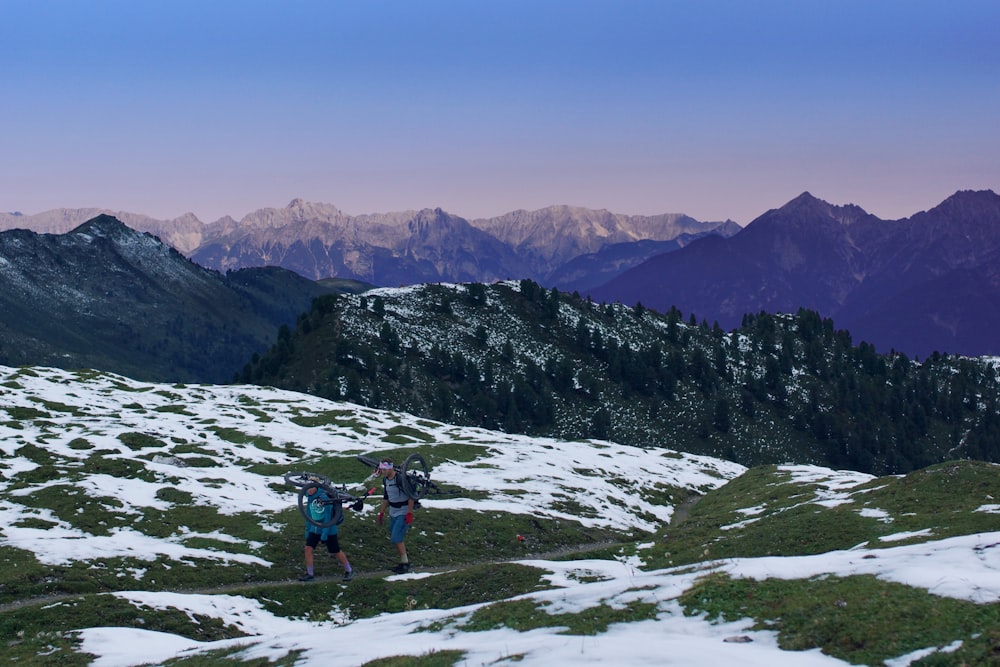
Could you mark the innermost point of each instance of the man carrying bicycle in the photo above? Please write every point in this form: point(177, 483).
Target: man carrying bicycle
point(321, 511)
point(400, 506)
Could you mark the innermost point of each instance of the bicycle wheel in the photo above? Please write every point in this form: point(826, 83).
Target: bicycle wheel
point(324, 506)
point(368, 461)
point(416, 476)
point(300, 479)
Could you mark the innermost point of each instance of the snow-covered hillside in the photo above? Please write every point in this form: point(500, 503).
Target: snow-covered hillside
point(193, 433)
point(123, 449)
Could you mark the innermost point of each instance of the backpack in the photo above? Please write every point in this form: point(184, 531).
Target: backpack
point(399, 485)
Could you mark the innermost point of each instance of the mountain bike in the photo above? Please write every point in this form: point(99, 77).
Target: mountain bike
point(332, 496)
point(415, 480)
point(415, 476)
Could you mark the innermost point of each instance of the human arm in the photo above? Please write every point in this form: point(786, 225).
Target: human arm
point(409, 511)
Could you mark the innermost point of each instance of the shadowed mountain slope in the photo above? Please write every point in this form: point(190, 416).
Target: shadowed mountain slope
point(924, 283)
point(105, 296)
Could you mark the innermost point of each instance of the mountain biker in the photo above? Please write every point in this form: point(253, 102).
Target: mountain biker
point(400, 507)
point(323, 512)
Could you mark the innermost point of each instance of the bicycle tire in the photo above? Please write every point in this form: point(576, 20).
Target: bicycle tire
point(336, 516)
point(300, 479)
point(416, 483)
point(368, 461)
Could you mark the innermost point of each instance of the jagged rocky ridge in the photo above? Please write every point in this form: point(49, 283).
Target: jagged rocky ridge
point(319, 241)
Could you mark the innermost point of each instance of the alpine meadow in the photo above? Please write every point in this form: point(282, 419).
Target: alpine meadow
point(149, 524)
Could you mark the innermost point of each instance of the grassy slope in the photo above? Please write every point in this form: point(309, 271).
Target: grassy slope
point(766, 511)
point(860, 619)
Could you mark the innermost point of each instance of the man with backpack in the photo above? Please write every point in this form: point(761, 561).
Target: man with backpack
point(400, 507)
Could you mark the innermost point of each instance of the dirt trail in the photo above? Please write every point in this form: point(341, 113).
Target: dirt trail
point(333, 578)
point(681, 512)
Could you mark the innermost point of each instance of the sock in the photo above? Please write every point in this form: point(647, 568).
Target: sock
point(404, 559)
point(309, 570)
point(347, 566)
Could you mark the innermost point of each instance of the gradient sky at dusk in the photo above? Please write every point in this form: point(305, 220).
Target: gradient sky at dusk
point(718, 109)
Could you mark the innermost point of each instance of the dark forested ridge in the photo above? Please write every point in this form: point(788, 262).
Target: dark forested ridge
point(520, 358)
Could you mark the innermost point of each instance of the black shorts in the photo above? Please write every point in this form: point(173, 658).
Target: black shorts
point(332, 543)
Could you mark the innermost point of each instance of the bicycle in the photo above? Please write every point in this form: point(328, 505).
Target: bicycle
point(415, 480)
point(332, 496)
point(415, 476)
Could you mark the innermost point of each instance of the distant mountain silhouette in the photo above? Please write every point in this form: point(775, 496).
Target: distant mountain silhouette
point(587, 271)
point(921, 284)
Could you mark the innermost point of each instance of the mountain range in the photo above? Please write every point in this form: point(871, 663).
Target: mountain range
point(404, 248)
point(511, 355)
point(916, 285)
point(930, 282)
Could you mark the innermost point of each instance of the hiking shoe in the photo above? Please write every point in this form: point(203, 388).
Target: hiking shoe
point(306, 577)
point(348, 576)
point(402, 568)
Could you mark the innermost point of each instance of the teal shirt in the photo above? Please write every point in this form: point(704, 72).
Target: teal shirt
point(322, 513)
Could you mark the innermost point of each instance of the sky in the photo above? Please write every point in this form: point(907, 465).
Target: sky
point(714, 108)
point(542, 470)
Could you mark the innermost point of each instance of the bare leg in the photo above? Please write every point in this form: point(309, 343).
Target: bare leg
point(309, 560)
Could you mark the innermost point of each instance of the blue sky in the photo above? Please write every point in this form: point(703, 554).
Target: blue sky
point(718, 109)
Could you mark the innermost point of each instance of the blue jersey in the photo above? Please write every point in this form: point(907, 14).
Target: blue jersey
point(319, 511)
